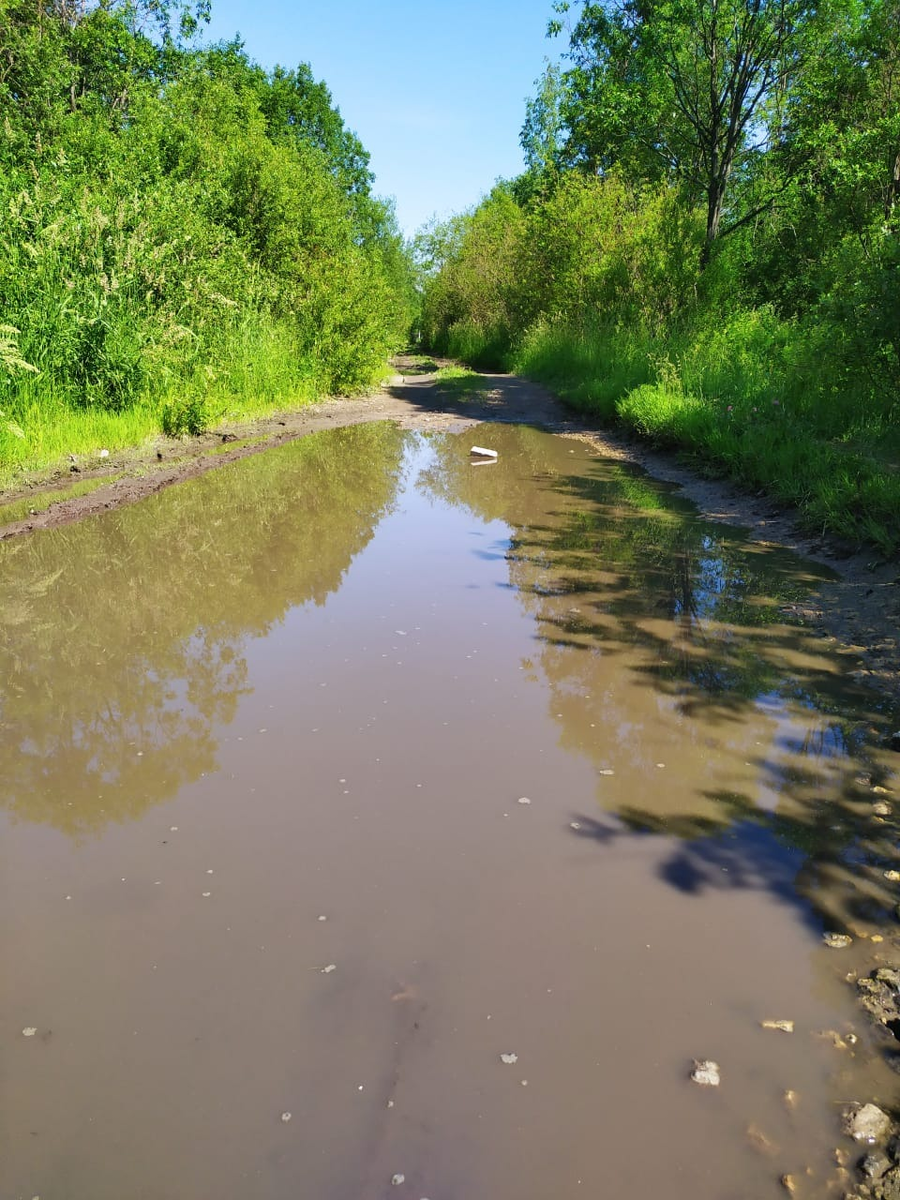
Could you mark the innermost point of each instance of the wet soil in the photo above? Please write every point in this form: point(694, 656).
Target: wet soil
point(451, 812)
point(859, 606)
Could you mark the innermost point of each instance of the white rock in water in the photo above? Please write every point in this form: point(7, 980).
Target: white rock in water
point(866, 1123)
point(836, 941)
point(706, 1072)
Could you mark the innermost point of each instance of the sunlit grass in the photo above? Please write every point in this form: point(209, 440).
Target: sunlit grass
point(744, 400)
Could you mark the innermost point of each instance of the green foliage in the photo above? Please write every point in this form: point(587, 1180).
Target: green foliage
point(190, 416)
point(178, 223)
point(771, 354)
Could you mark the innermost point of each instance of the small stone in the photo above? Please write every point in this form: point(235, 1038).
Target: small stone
point(836, 941)
point(29, 1031)
point(888, 1187)
point(706, 1072)
point(866, 1123)
point(759, 1141)
point(873, 1166)
point(285, 1116)
point(396, 1180)
point(509, 1059)
point(784, 1026)
point(791, 1099)
point(789, 1183)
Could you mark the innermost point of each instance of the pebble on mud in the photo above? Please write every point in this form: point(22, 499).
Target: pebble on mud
point(873, 1166)
point(836, 941)
point(706, 1072)
point(865, 1123)
point(783, 1026)
point(789, 1184)
point(759, 1141)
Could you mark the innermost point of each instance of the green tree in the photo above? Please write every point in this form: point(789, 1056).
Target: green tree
point(680, 88)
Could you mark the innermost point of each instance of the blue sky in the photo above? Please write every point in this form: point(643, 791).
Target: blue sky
point(436, 91)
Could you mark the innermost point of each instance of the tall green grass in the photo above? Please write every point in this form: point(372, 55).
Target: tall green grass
point(745, 401)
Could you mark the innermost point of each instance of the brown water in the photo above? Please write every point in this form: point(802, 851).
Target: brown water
point(316, 684)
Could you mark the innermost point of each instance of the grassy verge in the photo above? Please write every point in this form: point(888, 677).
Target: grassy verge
point(749, 399)
point(42, 428)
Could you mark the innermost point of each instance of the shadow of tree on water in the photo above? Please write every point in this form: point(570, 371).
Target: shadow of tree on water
point(647, 617)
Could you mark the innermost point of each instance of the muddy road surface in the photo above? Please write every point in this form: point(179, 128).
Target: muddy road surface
point(378, 822)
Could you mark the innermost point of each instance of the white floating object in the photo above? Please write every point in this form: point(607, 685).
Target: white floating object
point(396, 1180)
point(524, 800)
point(483, 452)
point(706, 1072)
point(327, 970)
point(285, 1116)
point(509, 1059)
point(29, 1031)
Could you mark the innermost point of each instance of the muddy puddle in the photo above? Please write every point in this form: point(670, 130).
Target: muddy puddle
point(370, 814)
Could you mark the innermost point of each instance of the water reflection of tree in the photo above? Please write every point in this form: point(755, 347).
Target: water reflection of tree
point(627, 588)
point(127, 634)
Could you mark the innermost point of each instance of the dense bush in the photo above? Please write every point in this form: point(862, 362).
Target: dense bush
point(182, 230)
point(762, 334)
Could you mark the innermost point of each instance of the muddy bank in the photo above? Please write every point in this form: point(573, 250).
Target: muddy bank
point(859, 608)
